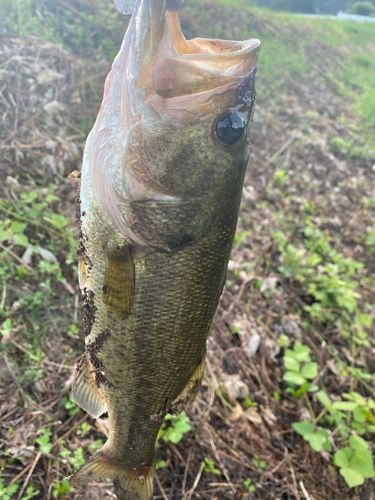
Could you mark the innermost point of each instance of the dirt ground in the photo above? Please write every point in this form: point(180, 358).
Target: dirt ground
point(41, 141)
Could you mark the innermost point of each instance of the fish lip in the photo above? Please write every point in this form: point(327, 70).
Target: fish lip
point(157, 34)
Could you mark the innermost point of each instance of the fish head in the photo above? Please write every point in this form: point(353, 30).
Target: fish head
point(175, 118)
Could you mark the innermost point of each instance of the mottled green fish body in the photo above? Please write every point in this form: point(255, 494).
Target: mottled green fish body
point(161, 186)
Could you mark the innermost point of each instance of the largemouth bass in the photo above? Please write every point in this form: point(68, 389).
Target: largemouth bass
point(161, 186)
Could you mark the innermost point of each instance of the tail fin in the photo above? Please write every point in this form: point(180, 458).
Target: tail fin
point(130, 484)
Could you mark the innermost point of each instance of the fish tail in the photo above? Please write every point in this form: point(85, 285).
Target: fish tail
point(130, 484)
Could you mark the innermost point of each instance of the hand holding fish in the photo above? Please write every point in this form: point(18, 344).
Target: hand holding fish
point(161, 186)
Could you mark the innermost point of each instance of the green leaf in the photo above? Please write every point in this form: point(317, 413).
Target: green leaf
point(341, 459)
point(20, 239)
point(175, 437)
point(294, 378)
point(301, 353)
point(312, 388)
point(364, 319)
point(5, 235)
point(359, 415)
point(310, 371)
point(361, 429)
point(316, 440)
point(352, 477)
point(363, 463)
point(344, 405)
point(349, 452)
point(326, 445)
point(56, 220)
point(303, 428)
point(354, 396)
point(18, 227)
point(160, 465)
point(291, 364)
point(324, 399)
point(358, 443)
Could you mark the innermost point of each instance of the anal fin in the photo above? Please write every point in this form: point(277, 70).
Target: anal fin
point(85, 392)
point(191, 389)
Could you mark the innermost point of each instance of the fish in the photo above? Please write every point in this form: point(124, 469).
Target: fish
point(161, 184)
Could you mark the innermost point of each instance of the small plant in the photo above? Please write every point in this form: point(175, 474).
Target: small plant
point(300, 369)
point(44, 440)
point(355, 462)
point(95, 445)
point(239, 238)
point(318, 438)
point(209, 466)
point(370, 240)
point(248, 402)
point(83, 429)
point(180, 425)
point(160, 465)
point(280, 177)
point(70, 405)
point(78, 460)
point(249, 485)
point(61, 489)
point(30, 493)
point(259, 463)
point(7, 492)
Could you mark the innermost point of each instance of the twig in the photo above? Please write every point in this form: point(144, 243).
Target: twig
point(161, 487)
point(223, 468)
point(3, 294)
point(186, 471)
point(70, 430)
point(304, 491)
point(29, 475)
point(15, 256)
point(279, 151)
point(189, 494)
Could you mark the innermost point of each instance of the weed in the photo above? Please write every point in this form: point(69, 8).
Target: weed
point(61, 489)
point(259, 463)
point(7, 492)
point(209, 466)
point(356, 414)
point(160, 464)
point(249, 485)
point(179, 426)
point(300, 369)
point(44, 441)
point(71, 407)
point(95, 445)
point(78, 459)
point(355, 461)
point(30, 493)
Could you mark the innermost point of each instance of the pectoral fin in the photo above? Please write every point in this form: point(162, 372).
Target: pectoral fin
point(84, 391)
point(118, 289)
point(191, 389)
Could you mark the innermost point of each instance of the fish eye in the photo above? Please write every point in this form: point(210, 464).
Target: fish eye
point(176, 5)
point(230, 128)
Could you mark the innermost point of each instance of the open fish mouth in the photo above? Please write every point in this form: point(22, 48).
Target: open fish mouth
point(160, 83)
point(183, 67)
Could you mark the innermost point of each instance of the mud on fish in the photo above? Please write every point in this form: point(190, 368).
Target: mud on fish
point(161, 186)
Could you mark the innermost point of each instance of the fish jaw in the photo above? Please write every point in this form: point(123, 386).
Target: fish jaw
point(163, 81)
